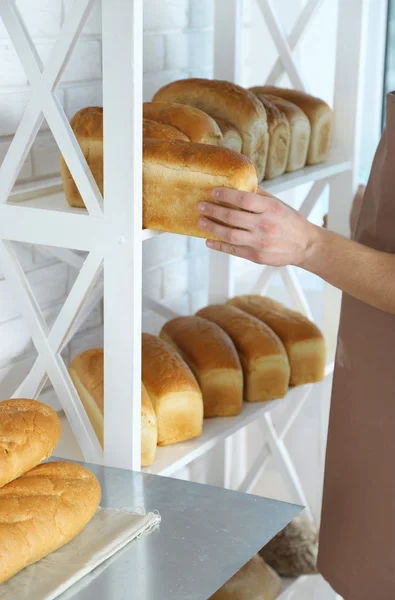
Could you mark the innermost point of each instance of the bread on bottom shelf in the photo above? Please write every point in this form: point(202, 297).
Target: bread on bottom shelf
point(161, 131)
point(230, 102)
point(173, 390)
point(262, 355)
point(255, 581)
point(320, 116)
point(42, 511)
point(300, 132)
point(232, 138)
point(197, 125)
point(87, 373)
point(29, 432)
point(178, 175)
point(279, 139)
point(213, 358)
point(302, 339)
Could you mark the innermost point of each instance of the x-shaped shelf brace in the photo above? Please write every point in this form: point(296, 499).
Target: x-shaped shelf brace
point(44, 103)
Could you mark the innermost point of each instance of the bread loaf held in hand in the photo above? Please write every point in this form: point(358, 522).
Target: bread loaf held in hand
point(173, 390)
point(213, 358)
point(262, 355)
point(43, 510)
point(29, 432)
point(230, 102)
point(303, 341)
point(87, 373)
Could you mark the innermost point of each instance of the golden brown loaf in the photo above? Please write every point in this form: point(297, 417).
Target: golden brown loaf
point(279, 139)
point(263, 357)
point(213, 358)
point(87, 373)
point(300, 132)
point(302, 339)
point(178, 175)
point(320, 116)
point(196, 124)
point(42, 511)
point(255, 581)
point(173, 390)
point(232, 138)
point(230, 102)
point(160, 131)
point(29, 432)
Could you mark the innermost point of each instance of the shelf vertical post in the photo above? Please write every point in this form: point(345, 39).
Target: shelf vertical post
point(122, 101)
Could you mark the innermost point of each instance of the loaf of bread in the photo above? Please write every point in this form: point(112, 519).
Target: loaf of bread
point(29, 432)
point(263, 357)
point(300, 132)
point(279, 139)
point(255, 581)
point(178, 175)
point(42, 511)
point(230, 102)
point(173, 390)
point(232, 138)
point(212, 357)
point(160, 131)
point(320, 116)
point(198, 126)
point(302, 339)
point(87, 373)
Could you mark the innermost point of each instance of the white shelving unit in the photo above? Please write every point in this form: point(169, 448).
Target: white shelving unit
point(111, 232)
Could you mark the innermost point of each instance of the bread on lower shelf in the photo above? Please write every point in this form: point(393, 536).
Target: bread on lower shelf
point(173, 390)
point(213, 358)
point(279, 139)
point(178, 175)
point(302, 339)
point(87, 373)
point(255, 581)
point(161, 131)
point(42, 511)
point(300, 131)
point(263, 357)
point(230, 102)
point(198, 126)
point(232, 138)
point(29, 432)
point(320, 116)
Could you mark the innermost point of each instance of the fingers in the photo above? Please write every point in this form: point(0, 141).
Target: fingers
point(229, 216)
point(244, 200)
point(240, 251)
point(237, 237)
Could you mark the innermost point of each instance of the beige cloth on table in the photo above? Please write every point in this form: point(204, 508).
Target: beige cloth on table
point(357, 544)
point(106, 534)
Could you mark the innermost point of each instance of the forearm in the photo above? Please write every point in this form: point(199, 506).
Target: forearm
point(365, 274)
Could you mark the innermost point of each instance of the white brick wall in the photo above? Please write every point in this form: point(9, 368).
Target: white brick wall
point(177, 43)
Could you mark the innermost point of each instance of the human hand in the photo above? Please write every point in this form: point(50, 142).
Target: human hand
point(259, 227)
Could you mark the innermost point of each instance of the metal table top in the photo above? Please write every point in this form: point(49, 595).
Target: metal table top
point(206, 535)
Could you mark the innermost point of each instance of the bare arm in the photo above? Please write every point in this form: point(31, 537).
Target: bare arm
point(262, 229)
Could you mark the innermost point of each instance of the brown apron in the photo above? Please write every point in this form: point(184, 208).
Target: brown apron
point(357, 542)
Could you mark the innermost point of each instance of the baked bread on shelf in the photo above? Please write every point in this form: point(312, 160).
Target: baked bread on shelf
point(230, 102)
point(232, 138)
point(213, 358)
point(279, 139)
point(304, 342)
point(87, 373)
point(29, 432)
point(178, 175)
point(161, 131)
point(43, 510)
point(320, 116)
point(255, 581)
point(173, 390)
point(262, 354)
point(198, 126)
